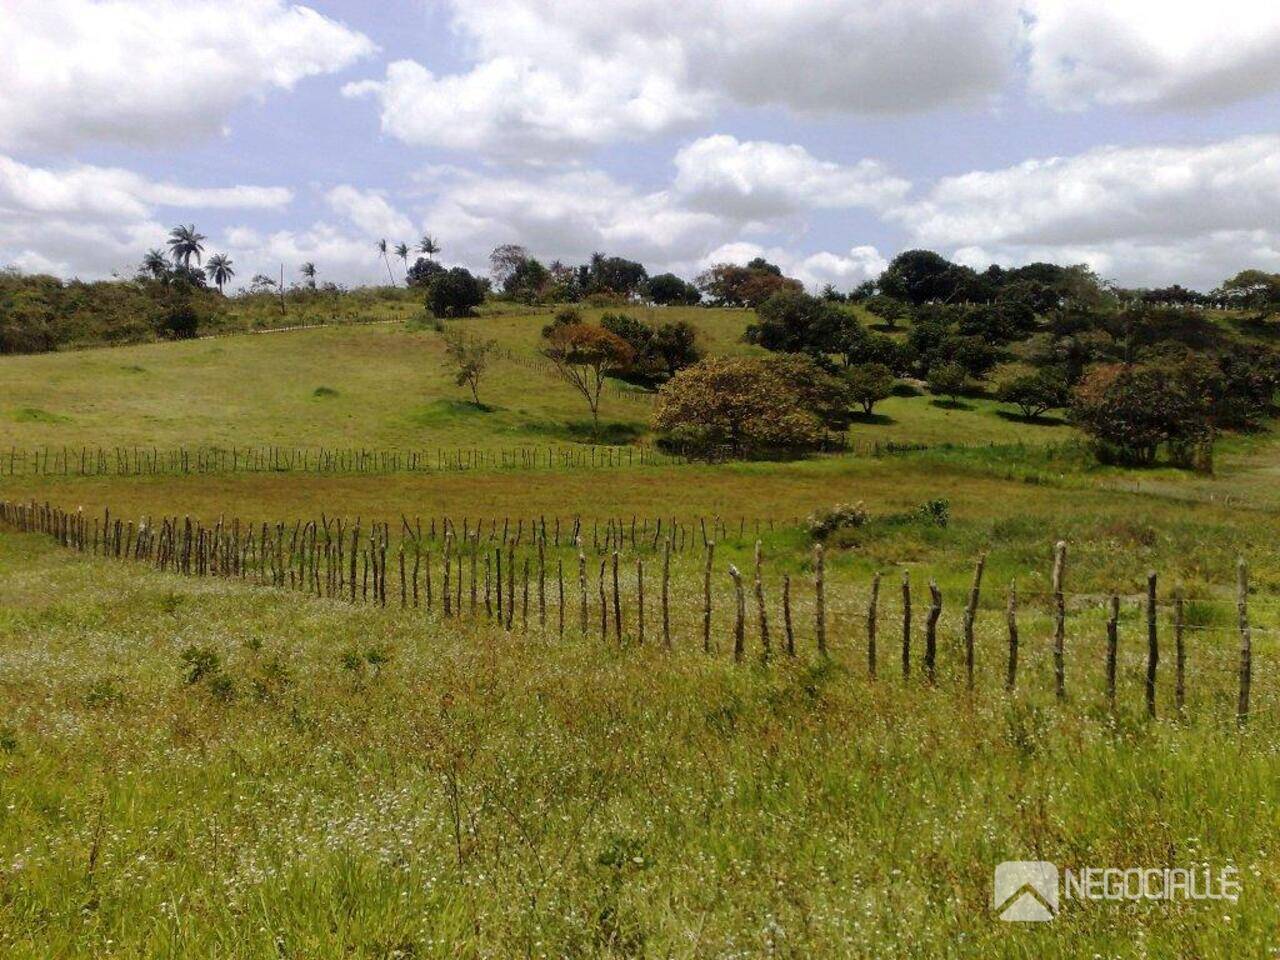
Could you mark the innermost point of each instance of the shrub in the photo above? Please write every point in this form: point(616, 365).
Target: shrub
point(936, 512)
point(181, 322)
point(1130, 411)
point(745, 406)
point(843, 516)
point(948, 380)
point(667, 288)
point(455, 293)
point(868, 384)
point(1036, 393)
point(199, 663)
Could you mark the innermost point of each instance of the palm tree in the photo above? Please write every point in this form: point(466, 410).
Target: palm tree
point(185, 243)
point(308, 270)
point(155, 264)
point(382, 249)
point(402, 251)
point(219, 269)
point(428, 245)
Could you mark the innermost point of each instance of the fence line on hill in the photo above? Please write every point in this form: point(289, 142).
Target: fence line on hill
point(477, 578)
point(143, 461)
point(135, 460)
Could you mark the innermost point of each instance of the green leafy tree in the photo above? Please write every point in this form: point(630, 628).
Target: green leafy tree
point(745, 406)
point(948, 380)
point(186, 242)
point(1131, 410)
point(669, 290)
point(220, 270)
point(155, 265)
point(1035, 394)
point(868, 384)
point(382, 249)
point(585, 355)
point(468, 357)
point(455, 293)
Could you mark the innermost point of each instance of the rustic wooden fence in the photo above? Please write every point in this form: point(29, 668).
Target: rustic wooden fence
point(143, 461)
point(617, 584)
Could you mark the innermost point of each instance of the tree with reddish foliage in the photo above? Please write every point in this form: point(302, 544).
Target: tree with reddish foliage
point(585, 354)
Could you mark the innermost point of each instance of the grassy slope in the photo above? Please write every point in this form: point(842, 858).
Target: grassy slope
point(488, 795)
point(392, 389)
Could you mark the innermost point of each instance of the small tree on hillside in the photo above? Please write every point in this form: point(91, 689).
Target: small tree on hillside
point(585, 354)
point(948, 380)
point(869, 383)
point(455, 293)
point(1131, 410)
point(1036, 393)
point(468, 358)
point(747, 405)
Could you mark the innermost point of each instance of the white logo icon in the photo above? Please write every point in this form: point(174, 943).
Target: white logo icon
point(1026, 891)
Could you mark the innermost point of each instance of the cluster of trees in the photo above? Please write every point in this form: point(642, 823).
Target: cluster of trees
point(1138, 371)
point(604, 279)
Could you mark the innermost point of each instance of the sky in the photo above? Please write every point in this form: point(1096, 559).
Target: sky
point(1141, 137)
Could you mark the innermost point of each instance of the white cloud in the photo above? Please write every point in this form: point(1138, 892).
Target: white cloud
point(370, 212)
point(568, 216)
point(110, 192)
point(89, 221)
point(151, 72)
point(1138, 213)
point(1160, 53)
point(761, 180)
point(551, 79)
point(339, 257)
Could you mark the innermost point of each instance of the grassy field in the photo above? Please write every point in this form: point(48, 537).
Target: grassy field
point(380, 385)
point(383, 783)
point(380, 784)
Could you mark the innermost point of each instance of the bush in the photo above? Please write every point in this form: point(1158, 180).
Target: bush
point(742, 406)
point(1036, 393)
point(868, 384)
point(843, 516)
point(181, 322)
point(948, 380)
point(1130, 411)
point(455, 293)
point(668, 289)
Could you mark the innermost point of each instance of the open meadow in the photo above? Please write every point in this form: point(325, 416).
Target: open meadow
point(217, 741)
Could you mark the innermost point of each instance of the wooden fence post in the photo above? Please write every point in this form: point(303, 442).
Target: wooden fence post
point(1011, 674)
point(1059, 620)
point(820, 598)
point(873, 616)
point(739, 623)
point(1180, 654)
point(1113, 649)
point(906, 625)
point(765, 646)
point(1153, 645)
point(666, 600)
point(582, 591)
point(639, 600)
point(970, 615)
point(931, 633)
point(706, 594)
point(786, 615)
point(1246, 641)
point(617, 601)
point(560, 591)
